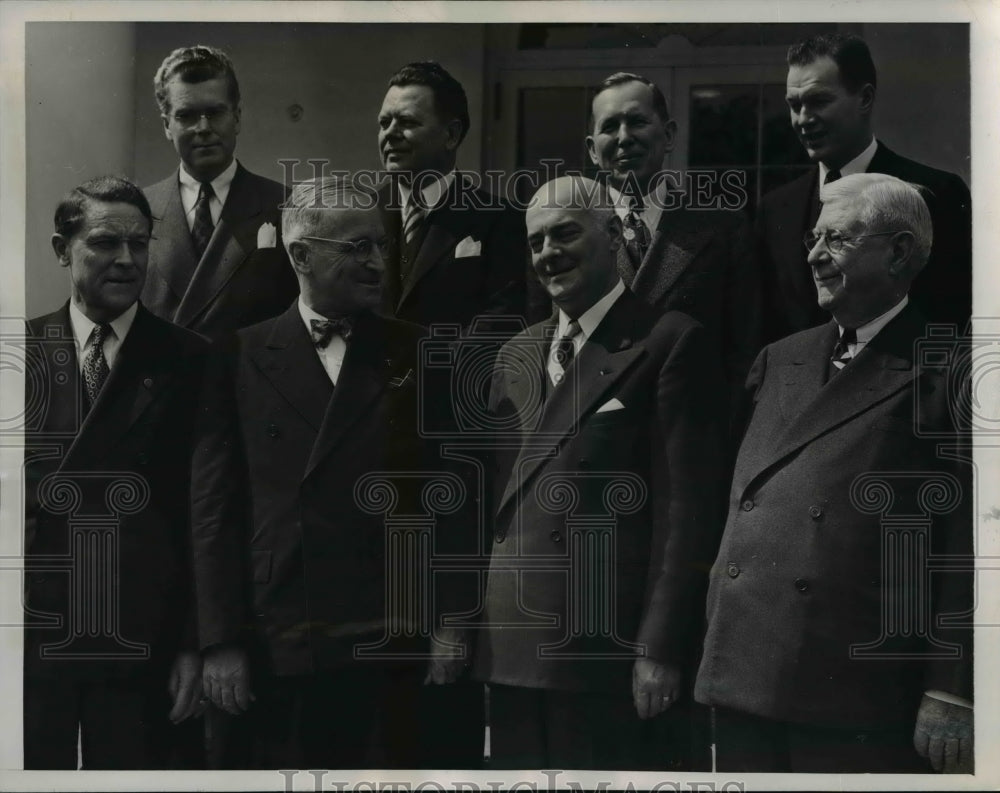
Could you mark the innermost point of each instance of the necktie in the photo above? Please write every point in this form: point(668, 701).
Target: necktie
point(636, 234)
point(562, 353)
point(413, 218)
point(95, 365)
point(322, 330)
point(202, 228)
point(841, 350)
point(831, 176)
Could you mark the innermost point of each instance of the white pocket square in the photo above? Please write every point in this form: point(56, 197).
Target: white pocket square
point(611, 404)
point(468, 247)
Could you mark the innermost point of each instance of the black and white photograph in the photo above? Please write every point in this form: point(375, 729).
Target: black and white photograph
point(499, 396)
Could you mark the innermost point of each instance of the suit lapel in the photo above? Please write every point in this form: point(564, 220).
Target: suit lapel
point(226, 250)
point(364, 375)
point(392, 221)
point(175, 261)
point(881, 369)
point(134, 382)
point(289, 361)
point(59, 392)
point(677, 241)
point(603, 360)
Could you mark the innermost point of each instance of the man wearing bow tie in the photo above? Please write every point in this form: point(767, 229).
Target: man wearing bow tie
point(605, 508)
point(215, 261)
point(306, 405)
point(831, 647)
point(110, 652)
point(674, 257)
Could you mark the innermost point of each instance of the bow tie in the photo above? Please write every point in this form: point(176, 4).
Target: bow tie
point(322, 330)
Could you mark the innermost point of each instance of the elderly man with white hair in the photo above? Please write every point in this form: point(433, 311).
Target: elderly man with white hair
point(831, 647)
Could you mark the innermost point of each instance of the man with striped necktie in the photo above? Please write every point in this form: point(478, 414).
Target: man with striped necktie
point(826, 650)
point(456, 251)
point(110, 651)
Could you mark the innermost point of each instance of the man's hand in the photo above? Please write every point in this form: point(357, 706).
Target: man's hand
point(944, 735)
point(655, 687)
point(449, 657)
point(184, 687)
point(226, 678)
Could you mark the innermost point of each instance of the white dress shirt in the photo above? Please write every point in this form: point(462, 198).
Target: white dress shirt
point(430, 191)
point(588, 322)
point(858, 165)
point(190, 187)
point(867, 331)
point(653, 205)
point(331, 356)
point(83, 329)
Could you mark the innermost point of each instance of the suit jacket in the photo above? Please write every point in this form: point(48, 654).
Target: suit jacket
point(126, 464)
point(799, 576)
point(702, 263)
point(444, 288)
point(942, 291)
point(660, 455)
point(235, 283)
point(275, 495)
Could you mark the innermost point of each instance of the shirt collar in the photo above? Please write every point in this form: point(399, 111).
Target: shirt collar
point(858, 165)
point(431, 191)
point(307, 314)
point(869, 330)
point(653, 203)
point(220, 184)
point(593, 316)
point(83, 326)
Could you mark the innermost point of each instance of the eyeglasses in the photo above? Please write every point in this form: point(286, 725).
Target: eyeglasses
point(835, 241)
point(191, 118)
point(361, 249)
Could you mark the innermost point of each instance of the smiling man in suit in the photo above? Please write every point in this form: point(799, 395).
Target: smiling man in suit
point(675, 258)
point(605, 506)
point(109, 639)
point(826, 649)
point(215, 261)
point(456, 251)
point(831, 100)
point(303, 407)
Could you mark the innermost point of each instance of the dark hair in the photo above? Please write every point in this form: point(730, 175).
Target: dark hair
point(849, 52)
point(620, 78)
point(194, 65)
point(106, 189)
point(449, 96)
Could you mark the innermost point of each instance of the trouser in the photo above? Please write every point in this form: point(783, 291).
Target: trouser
point(122, 724)
point(749, 744)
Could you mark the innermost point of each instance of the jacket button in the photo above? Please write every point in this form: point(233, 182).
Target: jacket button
point(733, 570)
point(815, 512)
point(688, 300)
point(747, 505)
point(142, 458)
point(801, 584)
point(500, 536)
point(555, 535)
point(273, 431)
point(148, 382)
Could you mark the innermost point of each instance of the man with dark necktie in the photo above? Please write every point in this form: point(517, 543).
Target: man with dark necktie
point(674, 257)
point(830, 646)
point(110, 649)
point(215, 262)
point(301, 408)
point(830, 93)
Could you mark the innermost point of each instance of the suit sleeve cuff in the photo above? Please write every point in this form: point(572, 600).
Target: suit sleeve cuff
point(952, 699)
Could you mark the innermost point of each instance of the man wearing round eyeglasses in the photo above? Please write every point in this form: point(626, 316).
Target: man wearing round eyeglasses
point(825, 649)
point(215, 260)
point(302, 408)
